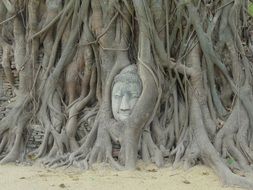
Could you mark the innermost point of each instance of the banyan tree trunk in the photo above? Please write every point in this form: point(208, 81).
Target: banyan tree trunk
point(121, 80)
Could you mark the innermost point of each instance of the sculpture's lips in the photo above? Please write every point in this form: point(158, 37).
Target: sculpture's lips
point(124, 115)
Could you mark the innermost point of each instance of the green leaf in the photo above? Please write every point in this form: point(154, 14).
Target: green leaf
point(230, 161)
point(250, 9)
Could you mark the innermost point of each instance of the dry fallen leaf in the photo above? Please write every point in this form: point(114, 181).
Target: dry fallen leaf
point(205, 173)
point(186, 181)
point(62, 185)
point(152, 170)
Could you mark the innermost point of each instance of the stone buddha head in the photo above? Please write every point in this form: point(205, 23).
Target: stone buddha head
point(127, 88)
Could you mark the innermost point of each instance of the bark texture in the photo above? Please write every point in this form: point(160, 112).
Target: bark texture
point(194, 59)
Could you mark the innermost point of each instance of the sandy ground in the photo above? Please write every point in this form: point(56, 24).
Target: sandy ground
point(104, 178)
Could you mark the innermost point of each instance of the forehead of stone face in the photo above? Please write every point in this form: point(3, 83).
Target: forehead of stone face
point(122, 88)
point(129, 75)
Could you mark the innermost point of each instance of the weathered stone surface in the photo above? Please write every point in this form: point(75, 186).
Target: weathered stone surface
point(126, 91)
point(35, 137)
point(6, 91)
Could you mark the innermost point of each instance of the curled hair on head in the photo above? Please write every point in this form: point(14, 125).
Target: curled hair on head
point(129, 74)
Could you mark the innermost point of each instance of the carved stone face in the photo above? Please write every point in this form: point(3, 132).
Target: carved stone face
point(124, 98)
point(126, 91)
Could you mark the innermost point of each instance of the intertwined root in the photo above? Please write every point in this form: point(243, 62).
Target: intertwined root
point(191, 58)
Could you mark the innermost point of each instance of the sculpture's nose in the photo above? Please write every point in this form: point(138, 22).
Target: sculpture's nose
point(124, 106)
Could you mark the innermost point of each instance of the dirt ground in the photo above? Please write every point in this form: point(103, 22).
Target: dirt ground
point(104, 178)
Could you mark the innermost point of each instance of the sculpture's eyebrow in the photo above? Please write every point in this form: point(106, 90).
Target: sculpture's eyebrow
point(135, 93)
point(117, 93)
